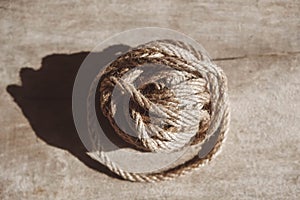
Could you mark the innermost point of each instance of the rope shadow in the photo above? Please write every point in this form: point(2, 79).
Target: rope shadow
point(45, 98)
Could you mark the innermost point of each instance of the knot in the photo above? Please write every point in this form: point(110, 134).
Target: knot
point(171, 96)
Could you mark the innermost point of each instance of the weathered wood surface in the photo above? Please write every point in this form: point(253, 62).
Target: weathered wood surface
point(257, 44)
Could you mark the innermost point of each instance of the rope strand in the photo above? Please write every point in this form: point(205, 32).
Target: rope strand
point(175, 109)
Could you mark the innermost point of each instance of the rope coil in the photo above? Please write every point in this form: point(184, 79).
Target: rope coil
point(170, 109)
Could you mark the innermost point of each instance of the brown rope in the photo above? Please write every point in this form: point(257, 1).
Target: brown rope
point(170, 109)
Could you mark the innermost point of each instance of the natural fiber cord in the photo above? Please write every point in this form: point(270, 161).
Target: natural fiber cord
point(170, 109)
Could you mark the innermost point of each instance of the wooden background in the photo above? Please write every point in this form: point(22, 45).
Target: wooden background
point(44, 42)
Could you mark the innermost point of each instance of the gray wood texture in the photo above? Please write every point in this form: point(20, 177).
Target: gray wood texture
point(256, 42)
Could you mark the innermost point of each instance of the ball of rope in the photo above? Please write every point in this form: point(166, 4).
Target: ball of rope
point(175, 107)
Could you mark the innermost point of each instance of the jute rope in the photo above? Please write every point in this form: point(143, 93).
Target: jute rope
point(170, 110)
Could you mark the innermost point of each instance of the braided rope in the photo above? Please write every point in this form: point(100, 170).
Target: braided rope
point(178, 108)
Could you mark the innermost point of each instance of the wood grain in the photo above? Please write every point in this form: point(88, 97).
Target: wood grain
point(256, 42)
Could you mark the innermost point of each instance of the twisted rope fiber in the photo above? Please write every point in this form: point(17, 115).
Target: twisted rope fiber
point(170, 111)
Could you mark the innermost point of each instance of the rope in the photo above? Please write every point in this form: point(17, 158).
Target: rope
point(170, 108)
